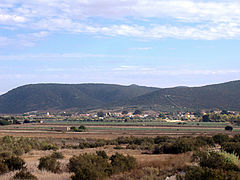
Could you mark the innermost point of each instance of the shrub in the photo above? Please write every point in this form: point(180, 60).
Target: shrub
point(198, 173)
point(161, 139)
point(24, 174)
point(103, 154)
point(83, 145)
point(218, 160)
point(220, 138)
point(48, 146)
point(118, 147)
point(14, 163)
point(50, 164)
point(204, 141)
point(18, 146)
point(231, 147)
point(4, 122)
point(180, 146)
point(121, 163)
point(81, 128)
point(89, 166)
point(132, 146)
point(5, 155)
point(57, 155)
point(3, 168)
point(228, 128)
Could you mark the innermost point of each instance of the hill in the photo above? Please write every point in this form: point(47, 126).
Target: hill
point(47, 97)
point(221, 96)
point(66, 96)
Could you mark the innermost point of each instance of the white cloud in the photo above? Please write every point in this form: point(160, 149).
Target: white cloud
point(58, 56)
point(6, 18)
point(141, 48)
point(182, 19)
point(173, 72)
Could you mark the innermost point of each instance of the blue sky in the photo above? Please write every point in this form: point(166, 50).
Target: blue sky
point(161, 43)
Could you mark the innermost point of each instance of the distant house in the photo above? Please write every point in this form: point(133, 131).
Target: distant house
point(62, 128)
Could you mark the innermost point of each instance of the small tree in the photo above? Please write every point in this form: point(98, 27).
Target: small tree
point(14, 163)
point(137, 112)
point(24, 174)
point(205, 118)
point(121, 163)
point(100, 114)
point(228, 128)
point(82, 128)
point(50, 164)
point(124, 112)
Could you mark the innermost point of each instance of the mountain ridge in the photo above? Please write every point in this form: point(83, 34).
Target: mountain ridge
point(54, 96)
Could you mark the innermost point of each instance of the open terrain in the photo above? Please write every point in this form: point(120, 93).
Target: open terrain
point(113, 130)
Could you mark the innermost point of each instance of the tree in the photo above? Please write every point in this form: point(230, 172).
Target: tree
point(228, 128)
point(205, 118)
point(162, 116)
point(137, 111)
point(224, 112)
point(100, 114)
point(124, 112)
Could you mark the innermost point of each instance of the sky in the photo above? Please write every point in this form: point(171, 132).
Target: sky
point(160, 43)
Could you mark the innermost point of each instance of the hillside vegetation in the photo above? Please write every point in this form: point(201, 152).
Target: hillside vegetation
point(90, 96)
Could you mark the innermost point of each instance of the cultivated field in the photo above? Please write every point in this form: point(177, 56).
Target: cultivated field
point(111, 130)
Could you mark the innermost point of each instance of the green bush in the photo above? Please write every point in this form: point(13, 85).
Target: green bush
point(121, 163)
point(4, 155)
point(103, 154)
point(3, 168)
point(231, 147)
point(221, 138)
point(204, 141)
point(47, 146)
point(161, 139)
point(4, 122)
point(50, 164)
point(57, 155)
point(132, 146)
point(205, 173)
point(24, 174)
point(118, 147)
point(14, 163)
point(89, 166)
point(228, 128)
point(180, 146)
point(21, 145)
point(218, 160)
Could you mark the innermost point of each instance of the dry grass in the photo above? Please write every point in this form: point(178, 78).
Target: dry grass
point(153, 167)
point(148, 165)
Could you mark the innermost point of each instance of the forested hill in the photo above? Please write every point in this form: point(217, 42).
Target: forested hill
point(221, 96)
point(66, 96)
point(81, 96)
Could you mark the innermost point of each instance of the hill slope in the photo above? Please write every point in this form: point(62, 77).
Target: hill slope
point(65, 96)
point(89, 96)
point(221, 96)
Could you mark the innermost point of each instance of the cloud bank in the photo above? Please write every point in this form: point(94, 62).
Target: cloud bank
point(141, 19)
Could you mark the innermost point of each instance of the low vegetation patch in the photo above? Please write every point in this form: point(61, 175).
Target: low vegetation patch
point(24, 175)
point(213, 165)
point(49, 163)
point(20, 145)
point(99, 166)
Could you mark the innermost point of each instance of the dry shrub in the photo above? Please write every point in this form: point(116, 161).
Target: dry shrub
point(24, 174)
point(50, 164)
